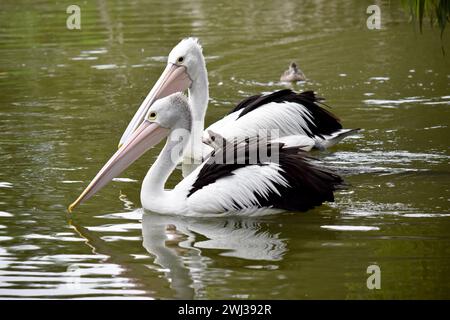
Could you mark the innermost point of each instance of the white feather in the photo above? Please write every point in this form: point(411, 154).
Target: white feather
point(330, 140)
point(222, 195)
point(289, 118)
point(305, 143)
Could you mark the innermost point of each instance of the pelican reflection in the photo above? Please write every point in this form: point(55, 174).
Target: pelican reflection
point(185, 247)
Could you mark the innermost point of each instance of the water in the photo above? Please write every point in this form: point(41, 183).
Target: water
point(66, 97)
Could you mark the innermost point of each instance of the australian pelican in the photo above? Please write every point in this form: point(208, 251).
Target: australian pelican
point(215, 187)
point(292, 114)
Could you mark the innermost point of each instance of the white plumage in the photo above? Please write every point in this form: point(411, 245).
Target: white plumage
point(288, 117)
point(238, 190)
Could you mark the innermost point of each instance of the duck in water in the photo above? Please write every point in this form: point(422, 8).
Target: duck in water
point(293, 74)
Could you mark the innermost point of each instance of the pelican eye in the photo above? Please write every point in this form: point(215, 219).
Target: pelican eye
point(180, 59)
point(152, 116)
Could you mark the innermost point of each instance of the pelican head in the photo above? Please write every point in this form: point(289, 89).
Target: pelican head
point(293, 67)
point(164, 116)
point(184, 66)
point(188, 53)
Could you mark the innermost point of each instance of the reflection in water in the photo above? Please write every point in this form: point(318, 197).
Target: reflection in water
point(181, 246)
point(117, 260)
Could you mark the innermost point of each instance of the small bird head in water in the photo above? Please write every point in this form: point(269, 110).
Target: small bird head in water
point(293, 74)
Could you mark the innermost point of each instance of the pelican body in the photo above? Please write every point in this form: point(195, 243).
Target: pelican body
point(215, 187)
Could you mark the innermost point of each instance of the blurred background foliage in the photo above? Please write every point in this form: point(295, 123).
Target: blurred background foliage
point(438, 11)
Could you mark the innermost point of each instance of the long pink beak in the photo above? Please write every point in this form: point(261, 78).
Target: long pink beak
point(147, 135)
point(174, 79)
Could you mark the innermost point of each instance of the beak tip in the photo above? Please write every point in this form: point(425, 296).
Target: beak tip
point(71, 207)
point(119, 145)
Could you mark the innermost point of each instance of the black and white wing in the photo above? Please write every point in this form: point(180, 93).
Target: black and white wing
point(286, 111)
point(291, 183)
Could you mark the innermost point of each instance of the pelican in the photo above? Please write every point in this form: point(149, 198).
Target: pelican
point(293, 74)
point(241, 187)
point(292, 114)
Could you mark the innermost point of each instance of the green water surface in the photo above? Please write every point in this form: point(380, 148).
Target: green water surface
point(67, 95)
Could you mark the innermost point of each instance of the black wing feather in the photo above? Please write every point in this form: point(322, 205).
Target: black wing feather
point(308, 185)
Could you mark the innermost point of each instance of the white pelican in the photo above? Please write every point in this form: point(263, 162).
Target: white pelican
point(291, 113)
point(293, 74)
point(241, 187)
